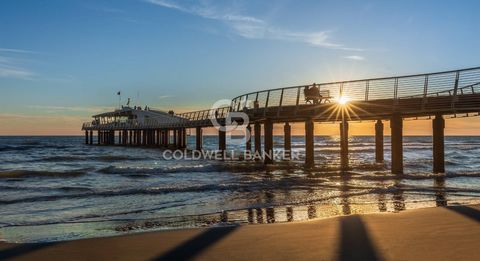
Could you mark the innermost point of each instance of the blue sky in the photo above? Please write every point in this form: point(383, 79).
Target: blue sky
point(66, 59)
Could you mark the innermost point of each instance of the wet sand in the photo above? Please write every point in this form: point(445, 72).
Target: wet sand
point(442, 233)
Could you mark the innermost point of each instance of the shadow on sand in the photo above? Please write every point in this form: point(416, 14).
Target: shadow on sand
point(355, 243)
point(198, 244)
point(22, 249)
point(469, 212)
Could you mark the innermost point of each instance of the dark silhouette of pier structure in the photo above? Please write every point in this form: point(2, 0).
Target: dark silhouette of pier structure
point(433, 96)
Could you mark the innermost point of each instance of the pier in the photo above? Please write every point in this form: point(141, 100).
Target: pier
point(432, 96)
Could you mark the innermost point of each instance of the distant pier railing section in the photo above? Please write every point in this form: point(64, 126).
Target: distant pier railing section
point(424, 86)
point(176, 120)
point(205, 114)
point(431, 95)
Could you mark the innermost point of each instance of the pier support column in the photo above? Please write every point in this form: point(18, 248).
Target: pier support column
point(396, 125)
point(120, 137)
point(268, 141)
point(184, 138)
point(287, 140)
point(175, 137)
point(160, 138)
point(198, 138)
point(112, 138)
point(344, 144)
point(86, 137)
point(222, 141)
point(91, 137)
point(152, 138)
point(99, 138)
point(165, 138)
point(147, 137)
point(180, 138)
point(438, 125)
point(248, 142)
point(309, 143)
point(257, 128)
point(379, 141)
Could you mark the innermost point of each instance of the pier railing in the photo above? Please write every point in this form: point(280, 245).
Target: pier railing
point(205, 114)
point(176, 120)
point(455, 88)
point(448, 83)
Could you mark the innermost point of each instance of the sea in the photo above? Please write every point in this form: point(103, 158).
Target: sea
point(58, 188)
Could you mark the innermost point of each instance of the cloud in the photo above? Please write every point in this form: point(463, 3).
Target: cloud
point(355, 57)
point(164, 97)
point(9, 69)
point(254, 28)
point(55, 109)
point(9, 50)
point(10, 66)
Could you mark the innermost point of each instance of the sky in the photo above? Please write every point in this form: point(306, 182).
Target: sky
point(63, 60)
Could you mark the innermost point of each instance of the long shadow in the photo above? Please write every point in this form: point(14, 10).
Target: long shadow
point(355, 243)
point(466, 211)
point(22, 249)
point(198, 244)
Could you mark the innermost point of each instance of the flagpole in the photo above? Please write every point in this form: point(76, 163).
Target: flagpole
point(119, 93)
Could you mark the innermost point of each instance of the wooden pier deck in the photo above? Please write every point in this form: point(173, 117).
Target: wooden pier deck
point(378, 99)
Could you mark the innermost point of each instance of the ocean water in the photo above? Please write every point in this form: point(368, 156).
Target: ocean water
point(58, 188)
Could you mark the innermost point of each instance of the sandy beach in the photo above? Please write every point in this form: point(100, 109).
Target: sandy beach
point(441, 233)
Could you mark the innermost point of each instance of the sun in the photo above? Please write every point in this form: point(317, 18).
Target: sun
point(342, 100)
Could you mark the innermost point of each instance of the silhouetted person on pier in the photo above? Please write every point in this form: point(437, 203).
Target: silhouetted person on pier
point(312, 94)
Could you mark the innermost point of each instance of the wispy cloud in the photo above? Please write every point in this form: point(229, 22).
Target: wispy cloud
point(55, 109)
point(355, 57)
point(161, 97)
point(254, 28)
point(9, 71)
point(9, 50)
point(10, 67)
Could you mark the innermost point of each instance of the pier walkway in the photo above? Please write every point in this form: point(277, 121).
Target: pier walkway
point(432, 95)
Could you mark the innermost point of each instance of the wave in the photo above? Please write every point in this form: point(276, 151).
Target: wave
point(104, 158)
point(30, 147)
point(40, 173)
point(233, 167)
point(318, 181)
point(127, 192)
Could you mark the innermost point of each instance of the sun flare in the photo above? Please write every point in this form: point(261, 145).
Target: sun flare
point(343, 100)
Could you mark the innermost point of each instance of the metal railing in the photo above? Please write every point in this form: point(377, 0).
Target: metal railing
point(448, 83)
point(205, 114)
point(420, 86)
point(177, 120)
